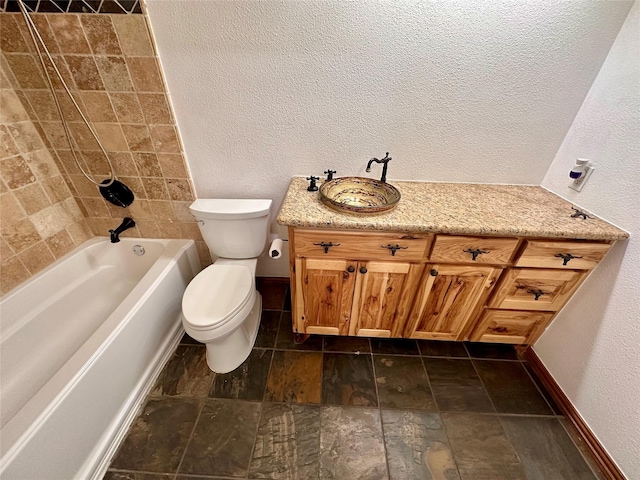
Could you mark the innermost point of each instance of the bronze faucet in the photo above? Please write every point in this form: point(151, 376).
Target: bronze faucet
point(384, 162)
point(126, 223)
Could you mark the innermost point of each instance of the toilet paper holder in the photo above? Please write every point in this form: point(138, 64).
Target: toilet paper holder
point(275, 249)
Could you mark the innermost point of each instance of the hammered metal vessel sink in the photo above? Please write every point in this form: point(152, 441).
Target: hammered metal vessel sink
point(359, 195)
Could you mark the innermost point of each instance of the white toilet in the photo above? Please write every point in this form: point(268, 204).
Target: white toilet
point(221, 306)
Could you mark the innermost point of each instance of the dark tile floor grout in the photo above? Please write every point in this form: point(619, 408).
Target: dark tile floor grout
point(377, 388)
point(191, 382)
point(193, 430)
point(444, 428)
point(255, 439)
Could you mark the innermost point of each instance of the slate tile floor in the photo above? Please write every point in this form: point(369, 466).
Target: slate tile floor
point(347, 409)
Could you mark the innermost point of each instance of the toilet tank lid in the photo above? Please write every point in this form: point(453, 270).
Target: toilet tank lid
point(224, 208)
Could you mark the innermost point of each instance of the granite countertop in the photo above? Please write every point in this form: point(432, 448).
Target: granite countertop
point(455, 208)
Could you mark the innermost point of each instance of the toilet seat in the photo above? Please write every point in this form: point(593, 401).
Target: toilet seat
point(216, 295)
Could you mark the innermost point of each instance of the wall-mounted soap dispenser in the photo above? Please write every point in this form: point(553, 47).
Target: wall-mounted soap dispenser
point(580, 173)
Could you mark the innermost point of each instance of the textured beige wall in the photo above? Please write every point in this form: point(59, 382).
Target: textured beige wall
point(110, 65)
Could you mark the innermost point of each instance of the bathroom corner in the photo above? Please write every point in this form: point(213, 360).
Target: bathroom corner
point(186, 333)
point(111, 67)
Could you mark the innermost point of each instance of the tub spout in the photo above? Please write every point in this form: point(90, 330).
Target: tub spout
point(126, 224)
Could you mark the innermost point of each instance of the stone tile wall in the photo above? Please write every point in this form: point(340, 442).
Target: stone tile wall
point(40, 220)
point(110, 64)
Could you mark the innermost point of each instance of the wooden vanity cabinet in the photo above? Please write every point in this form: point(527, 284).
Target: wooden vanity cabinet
point(380, 284)
point(355, 283)
point(545, 276)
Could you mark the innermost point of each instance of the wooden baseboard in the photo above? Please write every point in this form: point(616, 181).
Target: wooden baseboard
point(272, 280)
point(600, 456)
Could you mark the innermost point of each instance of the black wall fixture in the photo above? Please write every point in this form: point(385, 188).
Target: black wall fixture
point(117, 193)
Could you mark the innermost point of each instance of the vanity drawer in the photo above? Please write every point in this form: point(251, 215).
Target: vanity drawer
point(536, 289)
point(510, 326)
point(456, 249)
point(361, 245)
point(554, 254)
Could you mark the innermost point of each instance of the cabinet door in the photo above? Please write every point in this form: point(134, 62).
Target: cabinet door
point(448, 297)
point(324, 293)
point(382, 298)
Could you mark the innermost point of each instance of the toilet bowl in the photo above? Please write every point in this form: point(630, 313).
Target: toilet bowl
point(221, 306)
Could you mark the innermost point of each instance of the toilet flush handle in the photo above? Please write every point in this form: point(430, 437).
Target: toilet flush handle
point(200, 222)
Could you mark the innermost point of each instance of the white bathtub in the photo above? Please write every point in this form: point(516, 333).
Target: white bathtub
point(80, 345)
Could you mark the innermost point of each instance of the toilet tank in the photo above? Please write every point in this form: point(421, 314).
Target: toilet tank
point(233, 228)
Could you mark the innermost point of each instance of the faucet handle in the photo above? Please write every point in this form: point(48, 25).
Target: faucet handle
point(312, 183)
point(329, 173)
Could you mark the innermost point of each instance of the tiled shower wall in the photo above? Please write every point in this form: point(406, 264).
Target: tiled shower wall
point(40, 220)
point(110, 64)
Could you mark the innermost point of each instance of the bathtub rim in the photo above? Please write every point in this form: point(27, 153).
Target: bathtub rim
point(103, 454)
point(87, 243)
point(26, 422)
